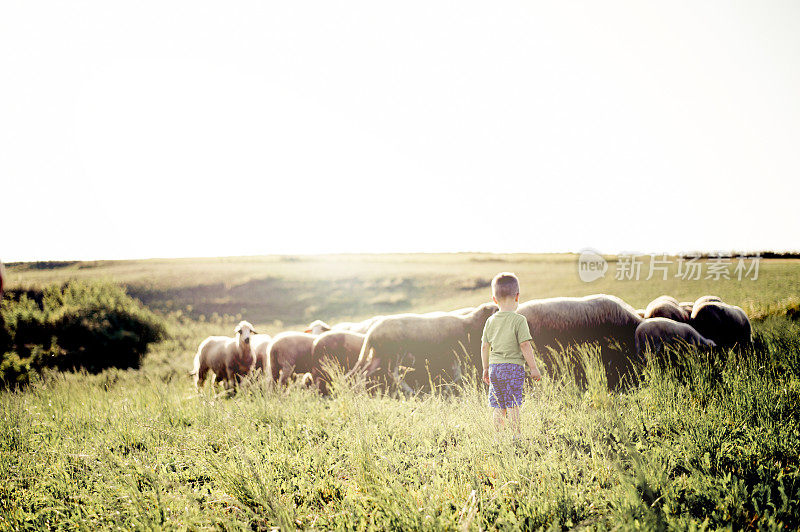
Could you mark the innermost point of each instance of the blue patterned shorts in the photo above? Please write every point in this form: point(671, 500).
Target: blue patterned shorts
point(505, 385)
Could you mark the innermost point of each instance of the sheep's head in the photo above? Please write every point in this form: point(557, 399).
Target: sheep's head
point(318, 327)
point(244, 331)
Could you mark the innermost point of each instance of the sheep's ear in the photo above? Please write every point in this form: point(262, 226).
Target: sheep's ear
point(238, 329)
point(253, 331)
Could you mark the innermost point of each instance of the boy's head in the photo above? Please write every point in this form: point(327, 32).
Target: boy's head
point(505, 288)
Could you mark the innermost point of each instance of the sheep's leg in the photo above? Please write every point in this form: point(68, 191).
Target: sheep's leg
point(307, 380)
point(457, 373)
point(365, 365)
point(233, 378)
point(400, 380)
point(286, 372)
point(200, 377)
point(221, 377)
point(408, 390)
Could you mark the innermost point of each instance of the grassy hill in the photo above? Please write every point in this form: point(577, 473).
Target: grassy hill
point(283, 291)
point(706, 443)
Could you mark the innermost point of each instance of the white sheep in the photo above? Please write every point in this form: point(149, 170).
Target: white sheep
point(707, 299)
point(656, 333)
point(561, 321)
point(289, 353)
point(259, 343)
point(340, 346)
point(363, 326)
point(421, 343)
point(317, 327)
point(564, 320)
point(666, 307)
point(229, 358)
point(727, 325)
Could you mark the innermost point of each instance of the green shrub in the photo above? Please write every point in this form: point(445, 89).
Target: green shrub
point(15, 371)
point(24, 325)
point(78, 325)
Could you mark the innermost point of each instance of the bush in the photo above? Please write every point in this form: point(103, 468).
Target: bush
point(15, 371)
point(24, 326)
point(93, 326)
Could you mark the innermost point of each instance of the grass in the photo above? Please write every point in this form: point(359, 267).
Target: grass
point(703, 443)
point(279, 292)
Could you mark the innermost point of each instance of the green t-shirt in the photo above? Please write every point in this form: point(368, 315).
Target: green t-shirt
point(504, 331)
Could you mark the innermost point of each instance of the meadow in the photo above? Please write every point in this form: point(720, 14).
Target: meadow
point(701, 442)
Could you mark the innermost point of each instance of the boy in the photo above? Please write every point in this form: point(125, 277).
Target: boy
point(505, 347)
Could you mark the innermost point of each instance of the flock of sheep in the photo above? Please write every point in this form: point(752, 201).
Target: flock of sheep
point(410, 350)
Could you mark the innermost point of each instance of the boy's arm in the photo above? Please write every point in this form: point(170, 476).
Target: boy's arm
point(485, 360)
point(527, 352)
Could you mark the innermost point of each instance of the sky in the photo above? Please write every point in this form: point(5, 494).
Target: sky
point(197, 128)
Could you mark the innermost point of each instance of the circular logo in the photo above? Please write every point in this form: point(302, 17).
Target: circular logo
point(591, 265)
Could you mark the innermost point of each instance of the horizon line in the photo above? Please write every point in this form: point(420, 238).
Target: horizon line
point(723, 252)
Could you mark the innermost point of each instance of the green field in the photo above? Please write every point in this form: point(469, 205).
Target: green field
point(707, 443)
point(293, 290)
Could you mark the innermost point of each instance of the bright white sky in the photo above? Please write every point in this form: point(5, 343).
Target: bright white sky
point(165, 128)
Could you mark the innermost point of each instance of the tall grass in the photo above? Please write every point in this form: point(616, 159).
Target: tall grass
point(689, 441)
point(698, 442)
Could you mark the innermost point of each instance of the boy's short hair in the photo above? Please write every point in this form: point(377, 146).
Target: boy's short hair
point(505, 285)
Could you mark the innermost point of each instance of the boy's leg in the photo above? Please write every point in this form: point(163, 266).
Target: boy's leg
point(495, 399)
point(498, 388)
point(513, 414)
point(516, 382)
point(499, 415)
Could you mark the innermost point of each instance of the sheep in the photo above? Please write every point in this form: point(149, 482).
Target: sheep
point(727, 325)
point(344, 346)
point(424, 342)
point(317, 327)
point(667, 298)
point(657, 333)
point(289, 352)
point(229, 358)
point(706, 299)
point(259, 343)
point(640, 312)
point(561, 321)
point(666, 307)
point(360, 327)
point(341, 346)
point(687, 306)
